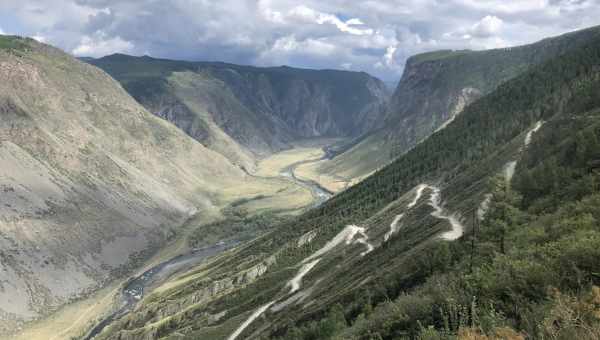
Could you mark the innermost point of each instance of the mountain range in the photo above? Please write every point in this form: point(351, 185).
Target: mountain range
point(488, 228)
point(246, 112)
point(476, 216)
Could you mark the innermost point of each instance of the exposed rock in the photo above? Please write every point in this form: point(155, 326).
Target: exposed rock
point(90, 181)
point(435, 88)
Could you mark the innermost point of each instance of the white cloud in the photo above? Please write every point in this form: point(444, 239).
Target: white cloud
point(488, 26)
point(388, 57)
point(376, 36)
point(354, 21)
point(506, 6)
point(289, 45)
point(100, 46)
point(264, 7)
point(351, 26)
point(39, 38)
point(1, 31)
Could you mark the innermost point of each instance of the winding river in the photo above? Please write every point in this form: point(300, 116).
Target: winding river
point(135, 289)
point(320, 193)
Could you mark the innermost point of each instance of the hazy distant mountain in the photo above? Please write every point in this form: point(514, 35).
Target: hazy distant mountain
point(243, 110)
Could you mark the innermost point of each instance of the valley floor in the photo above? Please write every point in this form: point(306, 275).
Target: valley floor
point(275, 192)
point(308, 156)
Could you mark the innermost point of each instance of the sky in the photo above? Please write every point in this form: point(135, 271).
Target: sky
point(375, 36)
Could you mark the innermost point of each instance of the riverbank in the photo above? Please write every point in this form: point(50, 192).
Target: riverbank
point(138, 287)
point(287, 163)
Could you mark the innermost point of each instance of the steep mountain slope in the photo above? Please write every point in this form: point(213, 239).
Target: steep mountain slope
point(435, 88)
point(240, 110)
point(389, 257)
point(90, 182)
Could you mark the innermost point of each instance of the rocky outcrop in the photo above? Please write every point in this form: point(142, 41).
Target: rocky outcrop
point(427, 98)
point(159, 310)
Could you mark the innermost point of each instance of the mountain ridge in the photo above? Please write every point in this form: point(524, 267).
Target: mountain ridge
point(245, 104)
point(435, 88)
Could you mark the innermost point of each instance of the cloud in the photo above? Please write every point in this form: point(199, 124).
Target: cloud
point(100, 46)
point(309, 15)
point(39, 38)
point(376, 36)
point(489, 26)
point(1, 31)
point(388, 57)
point(309, 46)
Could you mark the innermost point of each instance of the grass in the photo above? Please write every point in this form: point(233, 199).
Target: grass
point(360, 161)
point(12, 43)
point(72, 320)
point(274, 164)
point(269, 194)
point(331, 182)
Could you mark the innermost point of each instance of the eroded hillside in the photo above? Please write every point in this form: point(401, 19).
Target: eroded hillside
point(91, 183)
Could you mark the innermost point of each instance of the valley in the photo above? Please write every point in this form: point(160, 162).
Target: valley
point(154, 199)
point(81, 212)
point(415, 242)
point(135, 288)
point(120, 297)
point(288, 163)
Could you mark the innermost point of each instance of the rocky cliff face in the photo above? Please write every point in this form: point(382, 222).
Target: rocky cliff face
point(425, 100)
point(437, 86)
point(89, 180)
point(311, 103)
point(239, 109)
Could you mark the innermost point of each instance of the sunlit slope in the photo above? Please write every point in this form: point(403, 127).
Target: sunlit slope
point(91, 182)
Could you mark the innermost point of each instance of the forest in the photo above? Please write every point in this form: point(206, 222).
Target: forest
point(529, 269)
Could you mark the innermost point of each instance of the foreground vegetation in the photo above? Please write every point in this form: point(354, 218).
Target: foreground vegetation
point(530, 270)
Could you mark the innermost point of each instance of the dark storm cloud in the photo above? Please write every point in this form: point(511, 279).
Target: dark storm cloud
point(371, 35)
